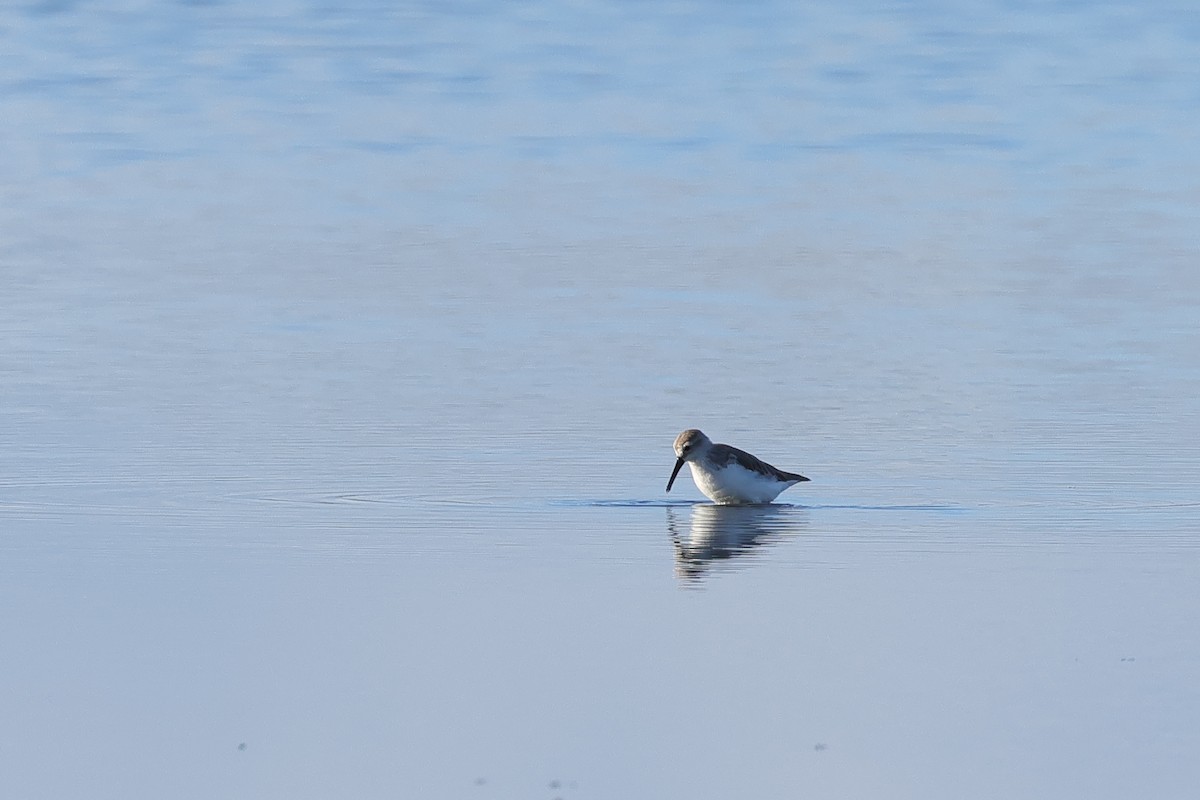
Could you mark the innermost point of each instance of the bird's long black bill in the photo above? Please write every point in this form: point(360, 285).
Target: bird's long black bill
point(674, 472)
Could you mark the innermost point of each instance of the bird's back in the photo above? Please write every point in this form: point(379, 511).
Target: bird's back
point(724, 454)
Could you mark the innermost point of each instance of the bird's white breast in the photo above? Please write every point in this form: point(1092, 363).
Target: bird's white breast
point(734, 483)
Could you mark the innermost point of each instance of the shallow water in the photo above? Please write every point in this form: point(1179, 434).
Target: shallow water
point(345, 347)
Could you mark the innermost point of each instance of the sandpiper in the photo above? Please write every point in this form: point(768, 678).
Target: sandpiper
point(726, 475)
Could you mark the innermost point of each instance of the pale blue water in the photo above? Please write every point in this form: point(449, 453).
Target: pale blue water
point(344, 347)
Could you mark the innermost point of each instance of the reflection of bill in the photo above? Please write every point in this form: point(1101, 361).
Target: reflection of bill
point(724, 532)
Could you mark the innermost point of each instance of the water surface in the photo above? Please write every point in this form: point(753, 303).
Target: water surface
point(345, 346)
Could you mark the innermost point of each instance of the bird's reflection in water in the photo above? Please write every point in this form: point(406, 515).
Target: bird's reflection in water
point(717, 533)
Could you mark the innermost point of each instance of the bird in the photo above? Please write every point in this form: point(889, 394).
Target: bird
point(727, 475)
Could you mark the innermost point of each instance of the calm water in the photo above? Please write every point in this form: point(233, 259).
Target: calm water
point(345, 343)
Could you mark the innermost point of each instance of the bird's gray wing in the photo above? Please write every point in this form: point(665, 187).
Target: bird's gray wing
point(723, 454)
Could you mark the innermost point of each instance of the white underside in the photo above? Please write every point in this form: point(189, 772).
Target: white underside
point(733, 484)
